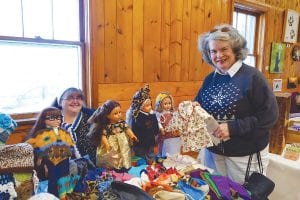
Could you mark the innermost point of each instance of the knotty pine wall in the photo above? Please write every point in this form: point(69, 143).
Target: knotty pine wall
point(150, 41)
point(133, 42)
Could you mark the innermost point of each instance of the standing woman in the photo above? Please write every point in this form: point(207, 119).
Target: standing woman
point(239, 97)
point(75, 117)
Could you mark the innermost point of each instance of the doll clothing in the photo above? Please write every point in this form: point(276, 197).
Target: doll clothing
point(169, 143)
point(118, 140)
point(145, 127)
point(55, 146)
point(191, 124)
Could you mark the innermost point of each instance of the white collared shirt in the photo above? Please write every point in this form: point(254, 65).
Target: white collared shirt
point(232, 70)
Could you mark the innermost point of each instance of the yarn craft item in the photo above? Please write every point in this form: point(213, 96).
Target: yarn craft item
point(16, 158)
point(56, 147)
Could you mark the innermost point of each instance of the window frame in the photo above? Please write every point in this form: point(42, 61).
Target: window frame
point(83, 10)
point(259, 11)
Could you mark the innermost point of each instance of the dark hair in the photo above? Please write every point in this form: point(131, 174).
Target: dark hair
point(40, 122)
point(99, 120)
point(65, 94)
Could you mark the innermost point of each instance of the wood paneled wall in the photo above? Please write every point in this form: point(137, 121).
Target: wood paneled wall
point(133, 42)
point(150, 41)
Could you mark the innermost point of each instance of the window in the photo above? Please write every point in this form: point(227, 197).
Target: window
point(41, 48)
point(250, 24)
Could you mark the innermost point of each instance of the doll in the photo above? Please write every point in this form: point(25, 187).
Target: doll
point(169, 140)
point(53, 146)
point(144, 123)
point(110, 134)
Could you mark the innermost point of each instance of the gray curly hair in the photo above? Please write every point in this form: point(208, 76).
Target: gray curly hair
point(223, 32)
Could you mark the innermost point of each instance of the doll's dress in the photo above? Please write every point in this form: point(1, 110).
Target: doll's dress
point(192, 127)
point(119, 156)
point(170, 141)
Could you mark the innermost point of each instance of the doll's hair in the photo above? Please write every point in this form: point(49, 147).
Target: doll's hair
point(40, 121)
point(99, 120)
point(160, 97)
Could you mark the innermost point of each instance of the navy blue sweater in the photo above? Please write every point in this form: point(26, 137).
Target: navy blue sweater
point(246, 102)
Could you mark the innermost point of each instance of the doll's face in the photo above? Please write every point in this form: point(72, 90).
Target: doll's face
point(53, 121)
point(166, 104)
point(146, 107)
point(115, 115)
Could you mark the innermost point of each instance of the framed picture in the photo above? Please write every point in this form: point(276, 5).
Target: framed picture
point(277, 85)
point(277, 57)
point(291, 22)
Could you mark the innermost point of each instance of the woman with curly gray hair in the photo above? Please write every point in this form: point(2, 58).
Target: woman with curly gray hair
point(239, 97)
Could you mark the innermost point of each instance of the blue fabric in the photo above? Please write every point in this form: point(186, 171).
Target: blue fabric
point(42, 187)
point(136, 171)
point(193, 193)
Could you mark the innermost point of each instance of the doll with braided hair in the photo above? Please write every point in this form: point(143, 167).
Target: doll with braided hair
point(112, 136)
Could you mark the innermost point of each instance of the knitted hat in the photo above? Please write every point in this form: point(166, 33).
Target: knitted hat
point(138, 99)
point(7, 125)
point(161, 96)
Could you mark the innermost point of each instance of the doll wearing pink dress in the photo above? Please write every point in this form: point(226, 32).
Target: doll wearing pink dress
point(169, 140)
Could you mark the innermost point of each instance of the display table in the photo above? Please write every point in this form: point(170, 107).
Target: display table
point(286, 175)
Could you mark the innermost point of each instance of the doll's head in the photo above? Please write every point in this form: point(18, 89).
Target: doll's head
point(109, 112)
point(104, 114)
point(50, 117)
point(164, 102)
point(140, 100)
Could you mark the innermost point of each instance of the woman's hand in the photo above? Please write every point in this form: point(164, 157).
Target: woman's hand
point(222, 132)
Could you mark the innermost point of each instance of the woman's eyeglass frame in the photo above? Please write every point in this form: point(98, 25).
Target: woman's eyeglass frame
point(73, 98)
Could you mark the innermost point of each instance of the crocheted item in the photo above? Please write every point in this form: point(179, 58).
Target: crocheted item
point(7, 187)
point(54, 146)
point(25, 190)
point(16, 158)
point(7, 125)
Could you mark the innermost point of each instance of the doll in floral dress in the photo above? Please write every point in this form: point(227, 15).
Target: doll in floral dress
point(112, 136)
point(169, 140)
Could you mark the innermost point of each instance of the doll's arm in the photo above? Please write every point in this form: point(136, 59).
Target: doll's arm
point(105, 143)
point(131, 135)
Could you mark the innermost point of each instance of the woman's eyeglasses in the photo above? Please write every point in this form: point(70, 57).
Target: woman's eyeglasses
point(52, 118)
point(73, 98)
